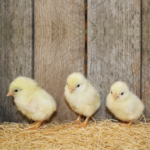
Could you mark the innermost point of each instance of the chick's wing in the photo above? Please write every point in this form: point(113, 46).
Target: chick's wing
point(91, 99)
point(32, 106)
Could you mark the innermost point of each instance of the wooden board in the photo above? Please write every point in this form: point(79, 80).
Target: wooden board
point(59, 47)
point(146, 56)
point(113, 46)
point(15, 51)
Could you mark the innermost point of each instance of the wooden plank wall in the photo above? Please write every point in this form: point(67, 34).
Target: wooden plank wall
point(118, 48)
point(146, 56)
point(113, 46)
point(15, 51)
point(59, 47)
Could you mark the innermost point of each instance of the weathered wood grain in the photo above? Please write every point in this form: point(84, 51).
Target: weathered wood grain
point(146, 56)
point(113, 46)
point(59, 47)
point(15, 51)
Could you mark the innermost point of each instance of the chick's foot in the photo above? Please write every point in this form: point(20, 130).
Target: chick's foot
point(77, 121)
point(35, 125)
point(128, 125)
point(84, 124)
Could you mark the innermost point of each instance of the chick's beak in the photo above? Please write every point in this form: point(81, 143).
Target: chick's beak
point(71, 89)
point(115, 96)
point(9, 94)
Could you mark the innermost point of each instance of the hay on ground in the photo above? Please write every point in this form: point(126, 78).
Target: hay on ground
point(104, 134)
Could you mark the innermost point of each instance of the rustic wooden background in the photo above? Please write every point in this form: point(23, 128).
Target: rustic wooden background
point(15, 51)
point(58, 47)
point(114, 47)
point(45, 40)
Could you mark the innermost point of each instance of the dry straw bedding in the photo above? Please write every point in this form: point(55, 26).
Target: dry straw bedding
point(104, 134)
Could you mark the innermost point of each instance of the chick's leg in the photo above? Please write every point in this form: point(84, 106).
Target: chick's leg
point(78, 120)
point(35, 125)
point(129, 124)
point(84, 124)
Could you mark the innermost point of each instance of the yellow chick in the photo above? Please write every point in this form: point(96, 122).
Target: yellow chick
point(82, 97)
point(31, 100)
point(124, 104)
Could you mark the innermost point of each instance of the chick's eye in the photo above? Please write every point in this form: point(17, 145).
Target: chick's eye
point(78, 85)
point(122, 93)
point(16, 90)
point(111, 92)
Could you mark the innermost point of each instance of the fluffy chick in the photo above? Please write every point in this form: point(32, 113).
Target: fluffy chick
point(124, 104)
point(82, 97)
point(31, 100)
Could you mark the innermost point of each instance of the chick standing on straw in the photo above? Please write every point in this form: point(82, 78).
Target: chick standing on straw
point(31, 100)
point(82, 97)
point(124, 104)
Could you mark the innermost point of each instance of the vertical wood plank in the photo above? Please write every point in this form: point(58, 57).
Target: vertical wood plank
point(146, 56)
point(113, 46)
point(59, 47)
point(15, 51)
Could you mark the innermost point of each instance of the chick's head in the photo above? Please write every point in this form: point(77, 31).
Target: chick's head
point(76, 82)
point(119, 91)
point(21, 85)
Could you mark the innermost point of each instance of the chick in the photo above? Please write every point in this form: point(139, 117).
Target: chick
point(82, 97)
point(124, 104)
point(31, 100)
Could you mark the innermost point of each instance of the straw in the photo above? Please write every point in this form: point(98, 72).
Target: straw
point(103, 134)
